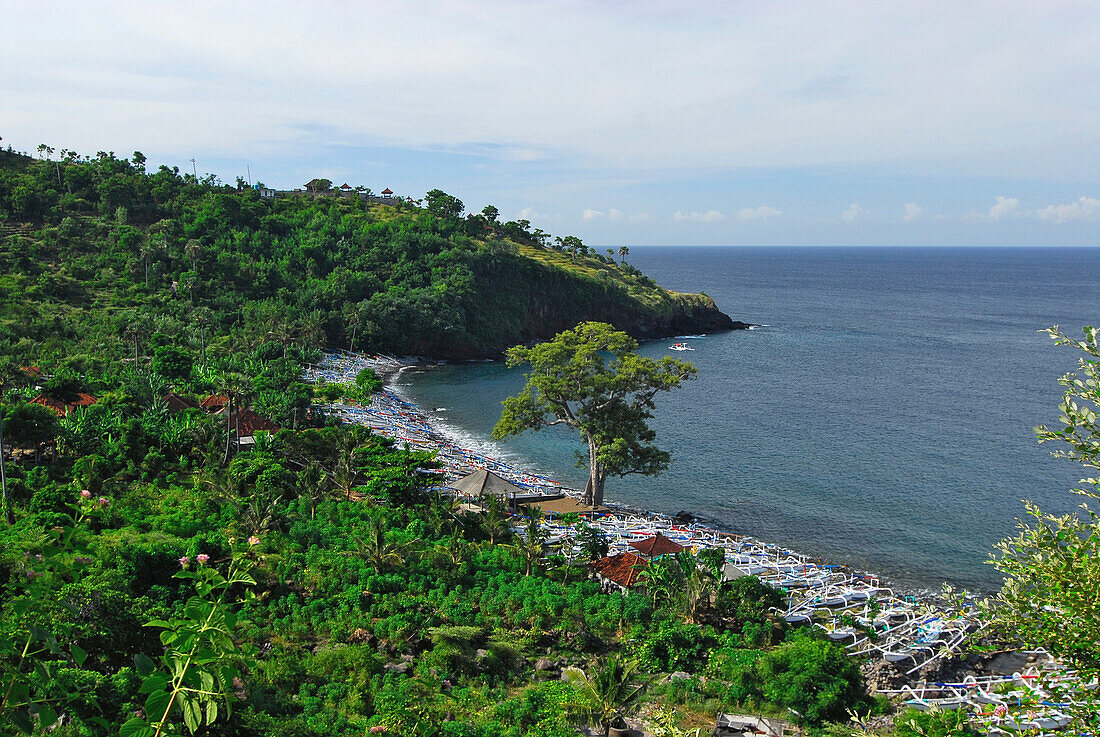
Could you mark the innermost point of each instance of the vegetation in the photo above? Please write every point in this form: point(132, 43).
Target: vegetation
point(572, 384)
point(101, 260)
point(1052, 566)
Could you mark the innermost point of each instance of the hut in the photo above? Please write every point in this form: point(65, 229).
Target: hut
point(177, 404)
point(248, 423)
point(214, 402)
point(62, 407)
point(656, 546)
point(483, 482)
point(559, 505)
point(387, 192)
point(621, 571)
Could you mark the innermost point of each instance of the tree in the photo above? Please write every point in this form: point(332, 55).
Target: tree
point(609, 404)
point(491, 213)
point(623, 253)
point(611, 691)
point(1053, 565)
point(319, 185)
point(443, 205)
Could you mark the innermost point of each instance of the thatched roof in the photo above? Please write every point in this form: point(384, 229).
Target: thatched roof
point(483, 482)
point(563, 505)
point(657, 545)
point(624, 569)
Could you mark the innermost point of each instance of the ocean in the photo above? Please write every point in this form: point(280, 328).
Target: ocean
point(882, 414)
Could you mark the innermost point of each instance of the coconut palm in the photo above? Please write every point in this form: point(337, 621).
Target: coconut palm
point(375, 550)
point(532, 546)
point(610, 691)
point(494, 520)
point(623, 253)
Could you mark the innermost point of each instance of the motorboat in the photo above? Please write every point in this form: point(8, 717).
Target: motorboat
point(680, 347)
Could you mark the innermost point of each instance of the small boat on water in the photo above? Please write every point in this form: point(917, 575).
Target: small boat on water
point(680, 347)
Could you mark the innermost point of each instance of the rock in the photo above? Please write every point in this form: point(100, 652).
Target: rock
point(481, 653)
point(543, 664)
point(679, 676)
point(399, 668)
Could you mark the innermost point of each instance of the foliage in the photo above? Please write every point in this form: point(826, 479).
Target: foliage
point(572, 384)
point(610, 691)
point(934, 723)
point(1051, 567)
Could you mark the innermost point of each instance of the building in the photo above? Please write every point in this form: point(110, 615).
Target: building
point(62, 408)
point(622, 571)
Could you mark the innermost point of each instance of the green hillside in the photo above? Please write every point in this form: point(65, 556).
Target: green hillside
point(101, 255)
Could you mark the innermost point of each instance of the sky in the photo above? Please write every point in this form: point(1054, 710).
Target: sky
point(624, 123)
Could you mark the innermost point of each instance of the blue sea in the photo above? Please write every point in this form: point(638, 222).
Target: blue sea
point(882, 414)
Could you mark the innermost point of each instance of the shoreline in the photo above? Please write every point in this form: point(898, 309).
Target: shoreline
point(906, 637)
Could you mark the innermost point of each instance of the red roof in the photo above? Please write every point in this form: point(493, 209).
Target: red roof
point(251, 423)
point(345, 185)
point(387, 190)
point(657, 545)
point(63, 408)
point(32, 372)
point(176, 403)
point(214, 401)
point(624, 569)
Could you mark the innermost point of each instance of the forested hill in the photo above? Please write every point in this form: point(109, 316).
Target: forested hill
point(98, 256)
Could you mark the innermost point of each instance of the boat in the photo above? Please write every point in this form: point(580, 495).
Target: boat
point(680, 347)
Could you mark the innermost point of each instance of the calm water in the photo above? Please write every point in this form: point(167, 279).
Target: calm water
point(882, 416)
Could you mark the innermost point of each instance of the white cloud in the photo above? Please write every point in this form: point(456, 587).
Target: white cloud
point(710, 216)
point(854, 212)
point(758, 213)
point(1085, 208)
point(638, 217)
point(530, 213)
point(614, 214)
point(912, 211)
point(592, 215)
point(1004, 207)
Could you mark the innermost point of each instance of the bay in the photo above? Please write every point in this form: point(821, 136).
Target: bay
point(881, 415)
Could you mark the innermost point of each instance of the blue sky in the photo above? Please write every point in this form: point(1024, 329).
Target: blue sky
point(624, 123)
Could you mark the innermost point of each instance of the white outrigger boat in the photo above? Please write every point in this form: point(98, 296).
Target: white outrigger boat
point(680, 347)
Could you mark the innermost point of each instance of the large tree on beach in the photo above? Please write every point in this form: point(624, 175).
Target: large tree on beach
point(609, 403)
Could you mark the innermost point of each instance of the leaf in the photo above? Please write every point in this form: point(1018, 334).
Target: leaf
point(156, 704)
point(136, 728)
point(192, 716)
point(153, 684)
point(79, 655)
point(46, 716)
point(144, 664)
point(211, 711)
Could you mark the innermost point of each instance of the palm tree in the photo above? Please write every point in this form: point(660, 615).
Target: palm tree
point(353, 320)
point(611, 691)
point(664, 579)
point(700, 586)
point(532, 546)
point(345, 474)
point(315, 485)
point(623, 253)
point(494, 520)
point(375, 550)
point(193, 249)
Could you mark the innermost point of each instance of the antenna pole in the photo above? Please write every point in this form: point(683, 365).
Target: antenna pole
point(196, 171)
point(249, 170)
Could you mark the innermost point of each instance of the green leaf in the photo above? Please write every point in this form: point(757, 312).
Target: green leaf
point(153, 684)
point(136, 728)
point(192, 716)
point(156, 704)
point(211, 711)
point(46, 716)
point(144, 664)
point(79, 655)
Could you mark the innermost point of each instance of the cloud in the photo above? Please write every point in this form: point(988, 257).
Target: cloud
point(1004, 207)
point(638, 217)
point(1085, 208)
point(912, 211)
point(592, 215)
point(614, 214)
point(854, 212)
point(529, 213)
point(758, 213)
point(710, 216)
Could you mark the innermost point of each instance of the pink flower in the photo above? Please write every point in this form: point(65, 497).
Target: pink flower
point(103, 502)
point(202, 558)
point(1000, 711)
point(185, 561)
point(85, 494)
point(377, 729)
point(253, 540)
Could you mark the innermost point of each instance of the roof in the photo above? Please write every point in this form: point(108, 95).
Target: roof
point(387, 190)
point(32, 372)
point(482, 482)
point(345, 185)
point(63, 408)
point(624, 568)
point(176, 403)
point(657, 545)
point(214, 401)
point(564, 505)
point(250, 423)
